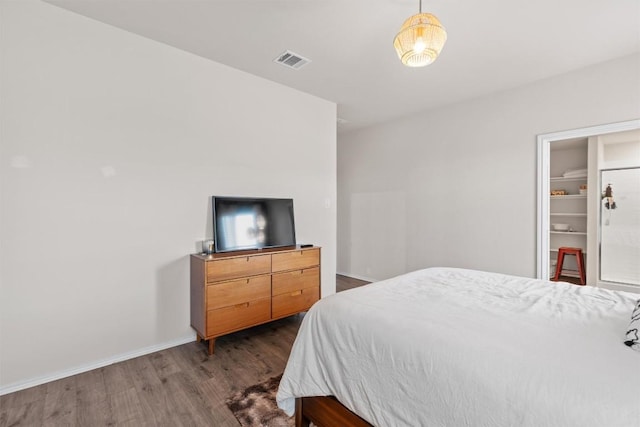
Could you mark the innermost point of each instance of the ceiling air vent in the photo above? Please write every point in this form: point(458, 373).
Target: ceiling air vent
point(291, 60)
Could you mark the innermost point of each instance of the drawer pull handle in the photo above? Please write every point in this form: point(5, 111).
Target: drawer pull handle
point(243, 305)
point(247, 281)
point(247, 259)
point(293, 294)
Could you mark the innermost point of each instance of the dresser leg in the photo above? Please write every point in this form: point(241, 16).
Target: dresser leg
point(212, 346)
point(198, 338)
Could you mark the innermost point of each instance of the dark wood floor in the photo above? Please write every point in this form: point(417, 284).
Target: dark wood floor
point(343, 283)
point(180, 386)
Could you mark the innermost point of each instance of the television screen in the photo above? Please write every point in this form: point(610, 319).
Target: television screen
point(252, 223)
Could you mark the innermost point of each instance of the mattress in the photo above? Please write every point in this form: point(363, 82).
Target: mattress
point(455, 347)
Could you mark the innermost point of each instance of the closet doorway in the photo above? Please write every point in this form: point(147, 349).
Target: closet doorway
point(573, 164)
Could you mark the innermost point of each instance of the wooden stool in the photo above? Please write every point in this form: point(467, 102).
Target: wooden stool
point(579, 261)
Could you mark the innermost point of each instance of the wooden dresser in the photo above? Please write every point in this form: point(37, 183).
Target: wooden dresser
point(236, 290)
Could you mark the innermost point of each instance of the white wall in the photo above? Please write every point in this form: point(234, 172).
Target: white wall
point(111, 145)
point(456, 186)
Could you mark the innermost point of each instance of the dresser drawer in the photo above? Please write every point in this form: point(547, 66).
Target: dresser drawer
point(295, 280)
point(239, 316)
point(238, 291)
point(294, 302)
point(296, 260)
point(233, 268)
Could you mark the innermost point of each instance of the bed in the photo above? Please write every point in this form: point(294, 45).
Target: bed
point(455, 347)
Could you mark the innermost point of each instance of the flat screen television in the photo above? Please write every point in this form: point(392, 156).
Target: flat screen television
point(242, 223)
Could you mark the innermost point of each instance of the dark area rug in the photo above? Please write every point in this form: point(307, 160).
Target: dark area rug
point(256, 406)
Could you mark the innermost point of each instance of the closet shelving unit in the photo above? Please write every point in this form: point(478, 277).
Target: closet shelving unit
point(568, 209)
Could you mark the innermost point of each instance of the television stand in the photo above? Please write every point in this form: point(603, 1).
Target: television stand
point(233, 291)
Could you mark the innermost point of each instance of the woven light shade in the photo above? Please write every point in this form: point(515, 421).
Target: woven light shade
point(420, 40)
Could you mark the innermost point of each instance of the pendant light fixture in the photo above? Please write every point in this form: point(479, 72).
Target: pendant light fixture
point(420, 39)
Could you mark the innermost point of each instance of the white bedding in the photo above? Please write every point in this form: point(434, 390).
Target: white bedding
point(453, 347)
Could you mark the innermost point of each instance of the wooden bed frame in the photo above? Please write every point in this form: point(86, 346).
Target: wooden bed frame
point(325, 411)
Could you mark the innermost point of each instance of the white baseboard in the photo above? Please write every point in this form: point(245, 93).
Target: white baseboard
point(355, 276)
point(21, 385)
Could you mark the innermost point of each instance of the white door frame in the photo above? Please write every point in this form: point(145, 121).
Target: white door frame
point(542, 264)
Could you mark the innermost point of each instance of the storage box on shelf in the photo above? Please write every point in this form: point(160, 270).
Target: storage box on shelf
point(237, 290)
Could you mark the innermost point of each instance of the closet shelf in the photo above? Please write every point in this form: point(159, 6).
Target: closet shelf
point(578, 233)
point(570, 196)
point(562, 179)
point(568, 214)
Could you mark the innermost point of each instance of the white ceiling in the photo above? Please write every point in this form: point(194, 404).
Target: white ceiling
point(492, 45)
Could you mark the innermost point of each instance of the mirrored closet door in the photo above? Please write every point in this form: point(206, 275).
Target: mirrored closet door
point(620, 226)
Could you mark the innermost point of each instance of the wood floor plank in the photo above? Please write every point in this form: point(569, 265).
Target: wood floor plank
point(153, 397)
point(188, 402)
point(214, 393)
point(29, 414)
point(116, 379)
point(191, 358)
point(22, 397)
point(127, 409)
point(92, 404)
point(179, 386)
point(164, 363)
point(60, 402)
point(345, 282)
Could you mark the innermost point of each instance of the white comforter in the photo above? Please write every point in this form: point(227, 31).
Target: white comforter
point(453, 347)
